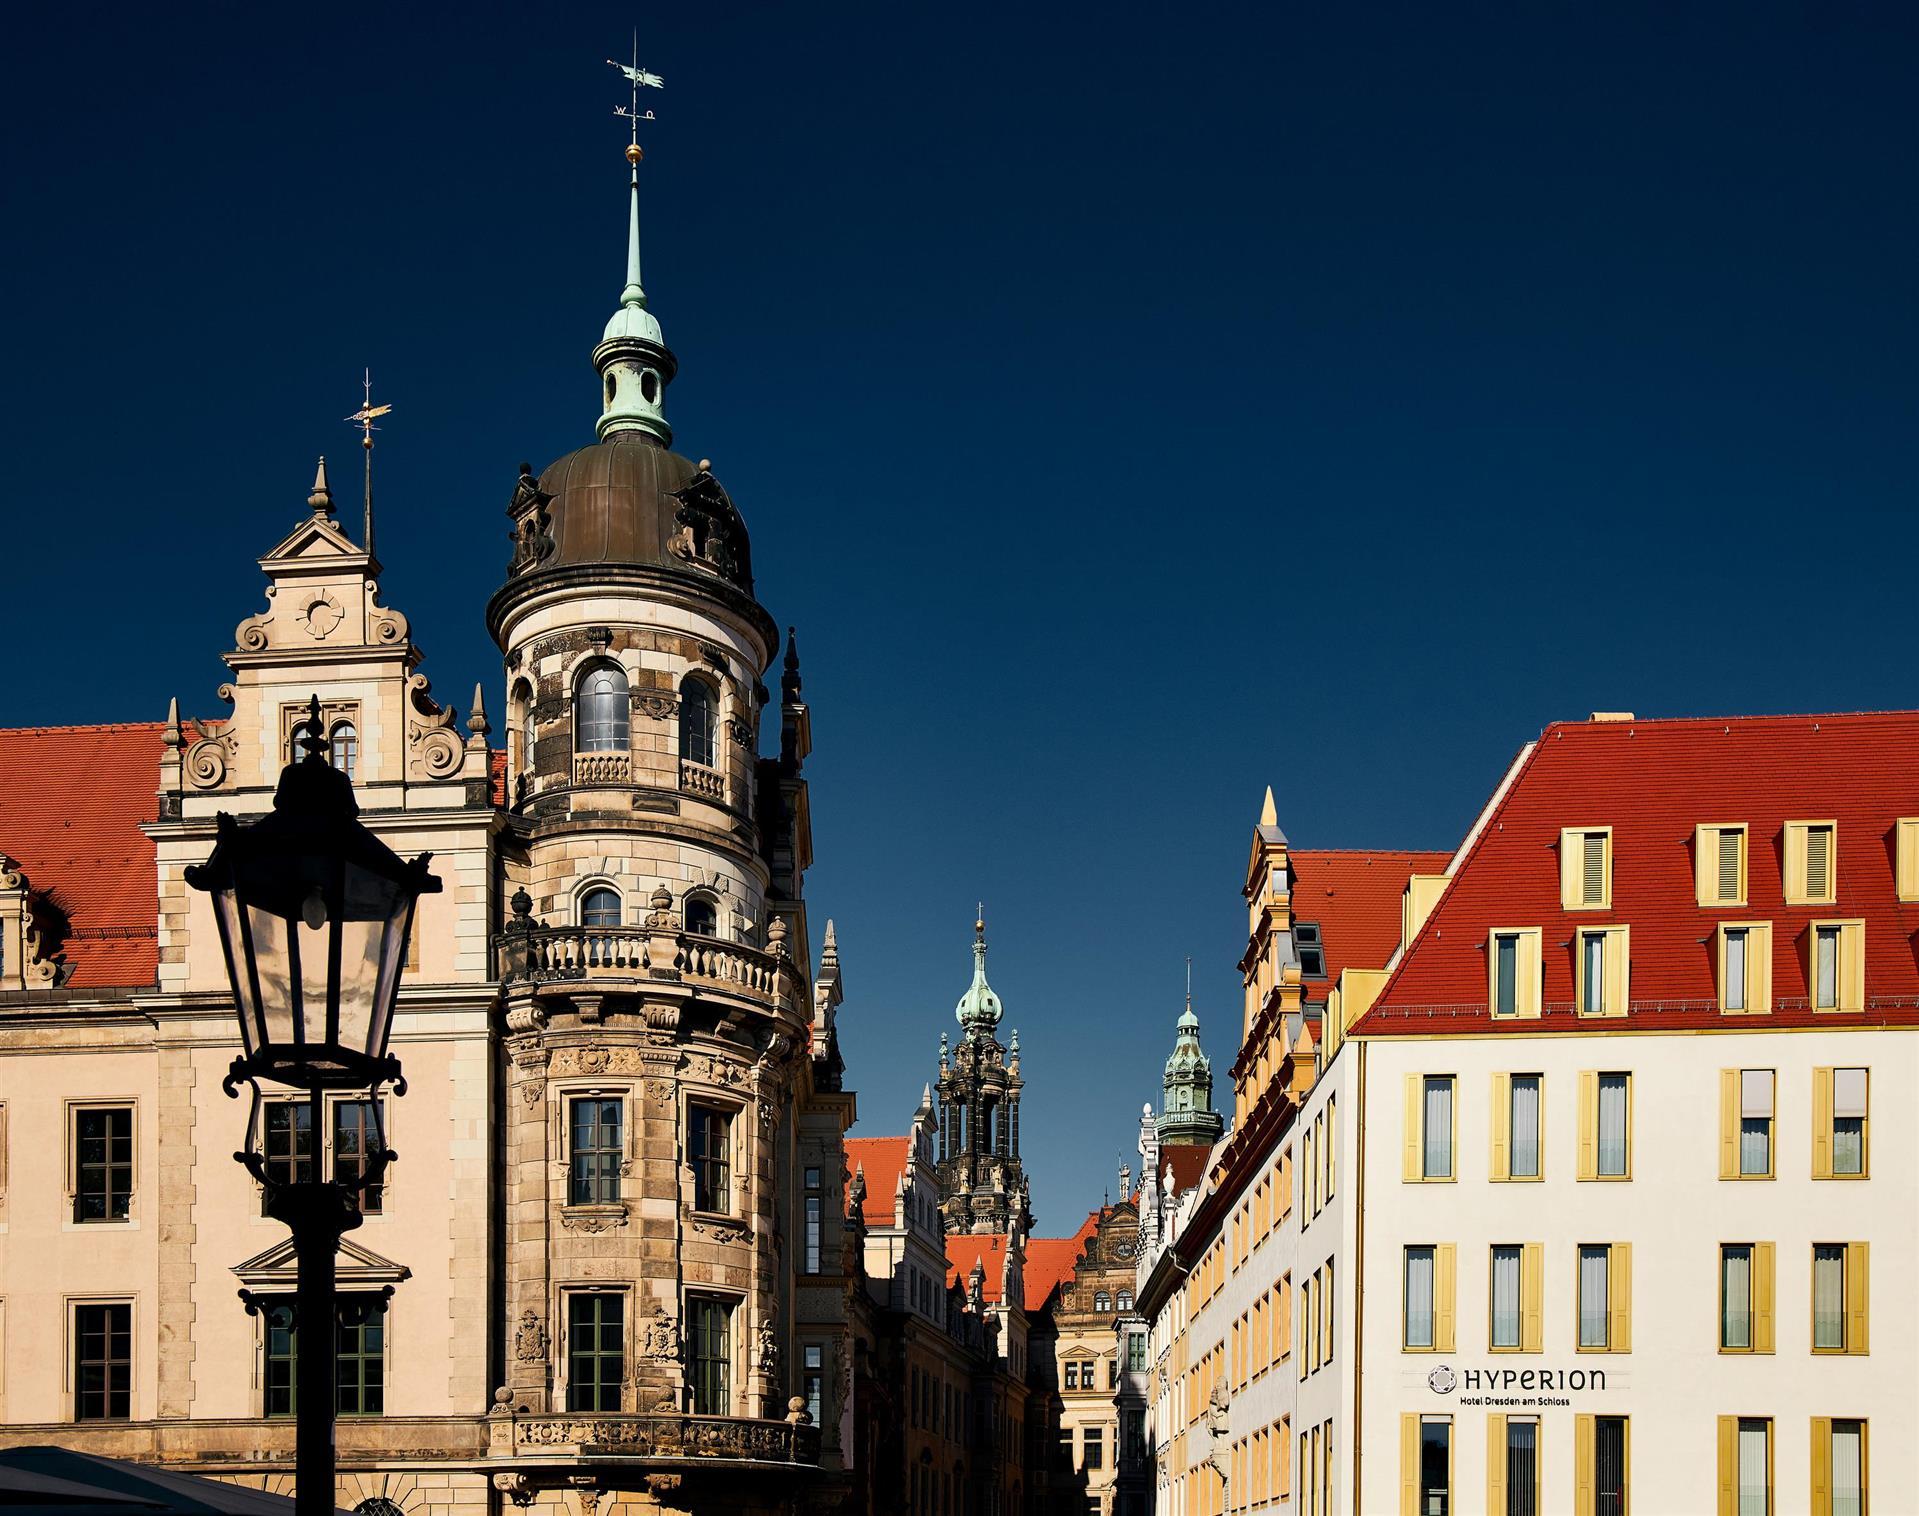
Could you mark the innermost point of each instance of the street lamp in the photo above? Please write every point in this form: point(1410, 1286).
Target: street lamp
point(314, 912)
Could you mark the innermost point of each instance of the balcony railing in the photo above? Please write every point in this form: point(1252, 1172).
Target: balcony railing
point(602, 768)
point(656, 1436)
point(698, 779)
point(632, 952)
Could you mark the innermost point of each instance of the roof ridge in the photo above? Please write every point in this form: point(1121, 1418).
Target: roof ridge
point(95, 726)
point(1749, 719)
point(1372, 852)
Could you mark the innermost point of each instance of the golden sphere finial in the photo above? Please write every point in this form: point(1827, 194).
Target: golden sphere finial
point(633, 153)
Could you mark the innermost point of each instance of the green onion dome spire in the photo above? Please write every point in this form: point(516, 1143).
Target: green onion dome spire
point(979, 1007)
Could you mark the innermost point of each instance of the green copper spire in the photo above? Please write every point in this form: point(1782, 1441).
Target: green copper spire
point(1187, 1117)
point(979, 1006)
point(634, 363)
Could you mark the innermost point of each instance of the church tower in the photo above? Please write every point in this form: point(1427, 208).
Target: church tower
point(673, 1073)
point(982, 1181)
point(1187, 1117)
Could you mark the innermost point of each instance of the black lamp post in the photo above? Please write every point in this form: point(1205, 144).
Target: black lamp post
point(314, 912)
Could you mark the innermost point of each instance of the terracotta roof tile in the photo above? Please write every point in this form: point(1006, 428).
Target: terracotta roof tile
point(496, 775)
point(1354, 895)
point(71, 802)
point(884, 1159)
point(1188, 1163)
point(1652, 782)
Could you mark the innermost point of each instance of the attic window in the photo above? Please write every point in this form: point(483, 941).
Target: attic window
point(1585, 868)
point(1811, 862)
point(1312, 953)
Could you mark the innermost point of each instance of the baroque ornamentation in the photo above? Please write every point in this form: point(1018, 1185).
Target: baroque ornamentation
point(659, 704)
point(430, 732)
point(593, 1221)
point(529, 1342)
point(382, 625)
point(322, 616)
point(662, 1336)
point(717, 1229)
point(207, 762)
point(711, 532)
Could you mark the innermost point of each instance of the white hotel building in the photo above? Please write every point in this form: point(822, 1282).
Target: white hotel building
point(1602, 1192)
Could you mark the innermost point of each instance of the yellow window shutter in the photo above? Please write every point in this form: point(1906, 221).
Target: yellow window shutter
point(1409, 1153)
point(1822, 1466)
point(1583, 1457)
point(1618, 970)
point(1819, 863)
point(1759, 966)
point(1495, 1464)
point(1704, 857)
point(1908, 861)
point(1443, 1281)
point(1822, 1123)
point(1619, 1281)
point(1526, 986)
point(1588, 1123)
point(1571, 857)
point(1502, 1126)
point(1852, 963)
point(1728, 1466)
point(1408, 1464)
point(1729, 1123)
point(1856, 1316)
point(1762, 1297)
point(1532, 1290)
point(1794, 881)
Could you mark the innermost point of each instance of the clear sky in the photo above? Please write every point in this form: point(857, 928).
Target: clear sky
point(1133, 407)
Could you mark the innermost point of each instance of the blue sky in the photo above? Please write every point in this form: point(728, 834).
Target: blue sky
point(1132, 406)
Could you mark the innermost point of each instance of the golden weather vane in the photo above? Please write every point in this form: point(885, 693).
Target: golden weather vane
point(638, 78)
point(364, 418)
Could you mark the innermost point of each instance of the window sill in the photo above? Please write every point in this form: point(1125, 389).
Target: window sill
point(131, 1224)
point(1515, 1179)
point(1746, 1352)
point(1843, 1178)
point(1440, 1179)
point(593, 1218)
point(1605, 1179)
point(1744, 1178)
point(1616, 1351)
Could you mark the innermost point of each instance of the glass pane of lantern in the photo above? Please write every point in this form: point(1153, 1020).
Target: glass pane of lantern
point(273, 962)
point(371, 940)
point(227, 915)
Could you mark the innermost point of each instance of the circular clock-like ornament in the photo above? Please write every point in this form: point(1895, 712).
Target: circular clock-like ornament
point(1125, 1248)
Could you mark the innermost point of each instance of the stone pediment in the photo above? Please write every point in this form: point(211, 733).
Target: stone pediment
point(277, 1268)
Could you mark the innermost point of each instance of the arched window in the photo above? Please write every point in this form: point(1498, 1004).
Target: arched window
point(345, 747)
point(600, 907)
point(523, 704)
point(1102, 1301)
point(702, 919)
point(698, 722)
point(600, 710)
point(1126, 1300)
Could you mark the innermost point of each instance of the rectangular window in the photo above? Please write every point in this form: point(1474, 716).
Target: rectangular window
point(103, 1163)
point(1745, 1465)
point(1428, 1313)
point(1594, 1292)
point(1312, 953)
point(1611, 1125)
point(1093, 1451)
point(1136, 1351)
point(356, 1136)
point(712, 1357)
point(359, 1357)
point(1585, 868)
point(815, 1222)
point(1432, 1449)
point(1839, 1136)
point(289, 1141)
point(598, 1148)
point(1811, 862)
point(1735, 1298)
point(1436, 1143)
point(1601, 1457)
point(1521, 1456)
point(1506, 1293)
point(103, 1362)
point(813, 1379)
point(712, 1159)
point(1512, 962)
point(1839, 1455)
point(1835, 971)
point(1602, 970)
point(1720, 864)
point(1755, 1123)
point(1523, 1100)
point(1732, 983)
point(1832, 1274)
point(595, 1351)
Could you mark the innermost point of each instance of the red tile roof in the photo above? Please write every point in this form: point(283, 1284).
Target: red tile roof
point(71, 802)
point(1652, 782)
point(884, 1159)
point(1188, 1163)
point(1049, 1261)
point(1355, 896)
point(496, 775)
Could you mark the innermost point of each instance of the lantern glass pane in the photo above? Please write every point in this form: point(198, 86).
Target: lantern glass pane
point(273, 966)
point(226, 914)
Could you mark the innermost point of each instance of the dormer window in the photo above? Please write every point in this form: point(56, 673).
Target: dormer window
point(601, 711)
point(1585, 868)
point(1906, 849)
point(1719, 863)
point(1312, 953)
point(1812, 862)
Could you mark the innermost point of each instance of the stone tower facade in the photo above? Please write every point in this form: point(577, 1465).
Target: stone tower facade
point(674, 1116)
point(982, 1180)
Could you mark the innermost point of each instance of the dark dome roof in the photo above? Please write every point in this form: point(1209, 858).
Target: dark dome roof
point(614, 502)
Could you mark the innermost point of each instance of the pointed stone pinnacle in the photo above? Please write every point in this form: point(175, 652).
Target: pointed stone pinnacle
point(322, 497)
point(1269, 813)
point(476, 721)
point(171, 737)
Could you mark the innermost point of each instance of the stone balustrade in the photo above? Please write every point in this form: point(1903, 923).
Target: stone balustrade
point(698, 779)
point(602, 768)
point(588, 1437)
point(571, 953)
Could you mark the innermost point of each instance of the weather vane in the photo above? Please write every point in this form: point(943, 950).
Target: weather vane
point(364, 418)
point(636, 76)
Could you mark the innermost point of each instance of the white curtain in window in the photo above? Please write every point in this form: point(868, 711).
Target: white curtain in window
point(1612, 1123)
point(1439, 1129)
point(1506, 1297)
point(1595, 948)
point(1828, 1296)
point(1754, 1497)
point(1592, 1297)
point(1525, 1133)
point(1827, 992)
point(1522, 1462)
point(1736, 971)
point(1419, 1297)
point(1736, 1329)
point(1848, 1471)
